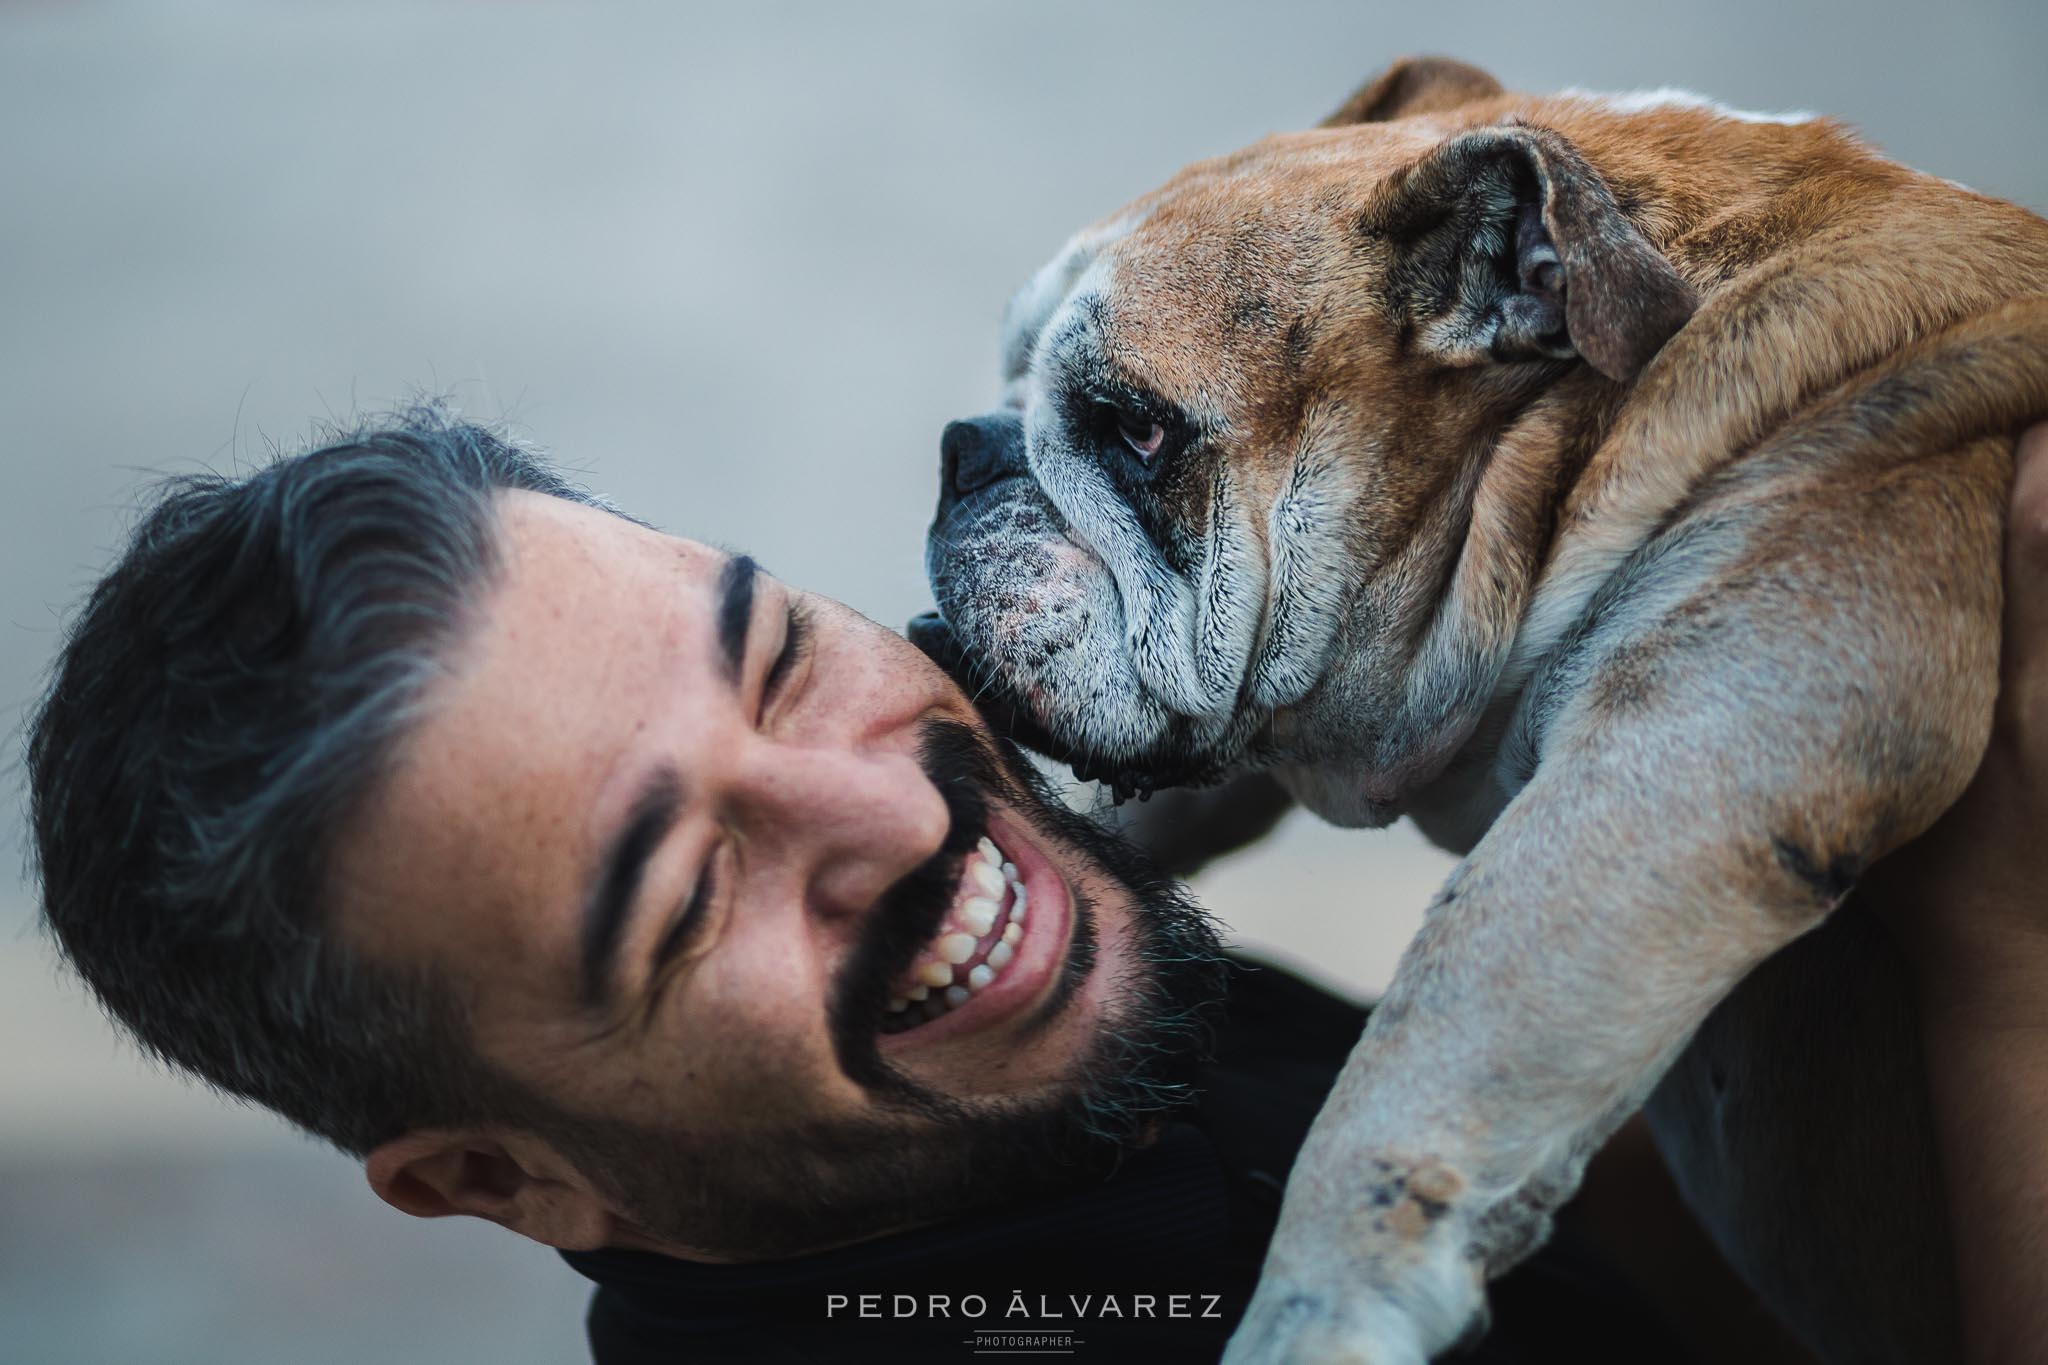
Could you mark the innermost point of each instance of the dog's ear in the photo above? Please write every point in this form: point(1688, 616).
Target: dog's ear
point(1506, 245)
point(1415, 85)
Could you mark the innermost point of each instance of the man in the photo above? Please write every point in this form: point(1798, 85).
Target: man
point(598, 884)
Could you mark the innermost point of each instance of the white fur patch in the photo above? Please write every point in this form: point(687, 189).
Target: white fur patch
point(1307, 573)
point(1671, 97)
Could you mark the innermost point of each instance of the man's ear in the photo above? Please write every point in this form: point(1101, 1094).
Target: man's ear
point(1506, 245)
point(517, 1183)
point(1415, 85)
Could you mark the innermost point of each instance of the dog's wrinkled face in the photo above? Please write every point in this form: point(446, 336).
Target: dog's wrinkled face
point(1153, 541)
point(1210, 519)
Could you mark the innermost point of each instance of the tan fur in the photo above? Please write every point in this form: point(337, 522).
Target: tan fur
point(1669, 596)
point(1781, 228)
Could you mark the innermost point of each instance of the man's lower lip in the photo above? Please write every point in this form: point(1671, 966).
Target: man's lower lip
point(1039, 954)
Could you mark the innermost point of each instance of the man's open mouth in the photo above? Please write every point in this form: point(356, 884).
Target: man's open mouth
point(976, 942)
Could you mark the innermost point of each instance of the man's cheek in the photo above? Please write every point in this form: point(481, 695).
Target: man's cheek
point(765, 1067)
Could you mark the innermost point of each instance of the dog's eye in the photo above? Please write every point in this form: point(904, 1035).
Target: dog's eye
point(1147, 433)
point(1143, 437)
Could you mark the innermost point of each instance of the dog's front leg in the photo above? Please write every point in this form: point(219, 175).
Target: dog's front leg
point(1557, 976)
point(1707, 792)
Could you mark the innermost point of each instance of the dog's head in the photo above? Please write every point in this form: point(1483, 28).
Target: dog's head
point(1206, 528)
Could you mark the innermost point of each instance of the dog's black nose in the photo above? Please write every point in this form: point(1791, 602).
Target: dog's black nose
point(976, 451)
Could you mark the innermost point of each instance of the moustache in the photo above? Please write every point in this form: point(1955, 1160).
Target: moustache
point(964, 768)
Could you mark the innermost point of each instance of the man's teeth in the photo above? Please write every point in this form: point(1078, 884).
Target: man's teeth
point(978, 940)
point(979, 914)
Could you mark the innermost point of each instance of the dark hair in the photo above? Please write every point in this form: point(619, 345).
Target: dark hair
point(225, 701)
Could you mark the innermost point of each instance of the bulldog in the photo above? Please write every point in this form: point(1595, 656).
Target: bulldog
point(1615, 485)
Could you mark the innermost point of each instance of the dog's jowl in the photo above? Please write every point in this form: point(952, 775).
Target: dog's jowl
point(1613, 484)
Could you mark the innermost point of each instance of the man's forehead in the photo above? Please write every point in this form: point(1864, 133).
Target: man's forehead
point(485, 812)
point(538, 533)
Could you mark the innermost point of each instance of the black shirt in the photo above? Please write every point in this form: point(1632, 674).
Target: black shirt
point(1153, 1264)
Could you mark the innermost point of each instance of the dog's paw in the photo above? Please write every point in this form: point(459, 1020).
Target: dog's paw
point(1290, 1325)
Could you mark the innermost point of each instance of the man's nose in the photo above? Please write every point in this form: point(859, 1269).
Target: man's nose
point(977, 451)
point(851, 824)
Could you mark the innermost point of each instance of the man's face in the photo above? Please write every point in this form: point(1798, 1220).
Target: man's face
point(693, 844)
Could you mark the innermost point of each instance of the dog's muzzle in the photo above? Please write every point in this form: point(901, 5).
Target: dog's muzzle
point(1011, 718)
point(930, 633)
point(986, 547)
point(975, 455)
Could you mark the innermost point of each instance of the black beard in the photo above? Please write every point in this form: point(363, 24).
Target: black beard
point(930, 1156)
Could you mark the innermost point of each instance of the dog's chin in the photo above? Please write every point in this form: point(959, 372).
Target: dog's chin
point(1171, 760)
point(1140, 776)
point(1337, 799)
point(982, 682)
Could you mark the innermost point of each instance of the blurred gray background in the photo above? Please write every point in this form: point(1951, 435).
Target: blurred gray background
point(737, 264)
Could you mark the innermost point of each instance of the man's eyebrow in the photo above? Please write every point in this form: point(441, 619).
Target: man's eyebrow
point(611, 897)
point(735, 612)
